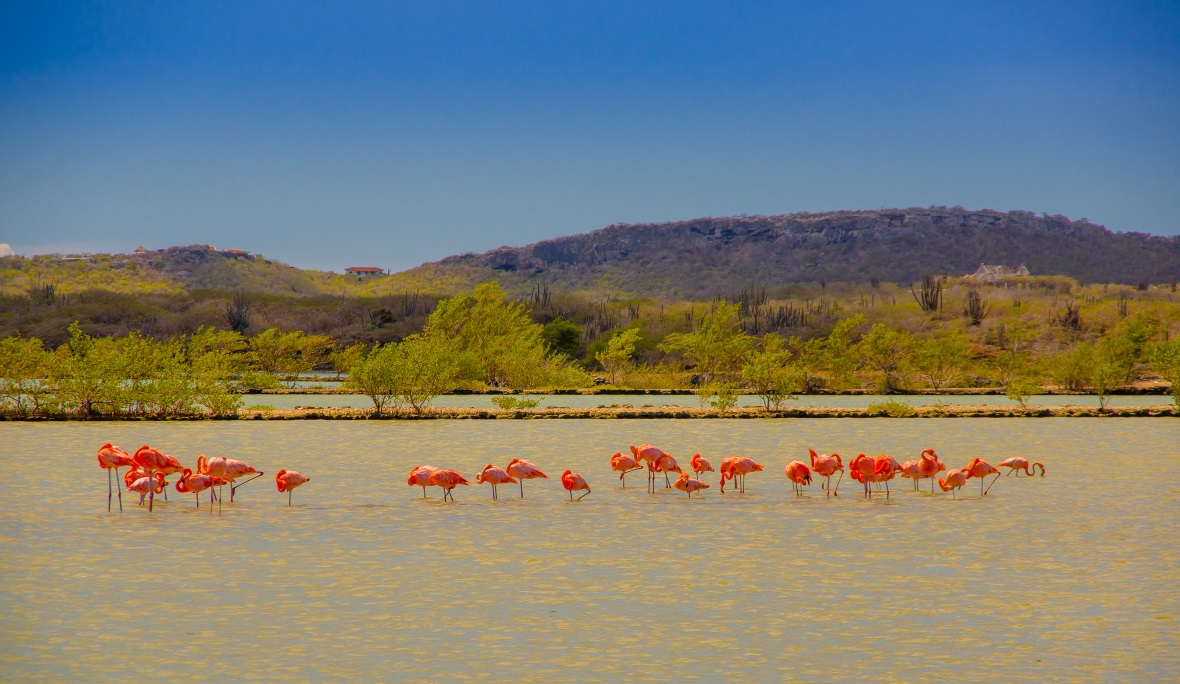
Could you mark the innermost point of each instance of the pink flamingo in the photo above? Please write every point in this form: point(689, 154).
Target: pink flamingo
point(215, 468)
point(825, 465)
point(981, 469)
point(688, 485)
point(862, 471)
point(623, 464)
point(885, 467)
point(448, 480)
point(195, 484)
point(738, 468)
point(1016, 464)
point(110, 458)
point(700, 465)
point(286, 481)
point(143, 486)
point(574, 482)
point(664, 464)
point(929, 465)
point(235, 469)
point(150, 460)
point(955, 479)
point(522, 470)
point(420, 477)
point(649, 453)
point(911, 470)
point(799, 474)
point(493, 476)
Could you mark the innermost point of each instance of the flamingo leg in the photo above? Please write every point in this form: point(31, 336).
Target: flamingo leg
point(989, 487)
point(667, 484)
point(522, 487)
point(151, 490)
point(165, 492)
point(423, 491)
point(584, 495)
point(234, 487)
point(288, 500)
point(110, 493)
point(198, 496)
point(886, 490)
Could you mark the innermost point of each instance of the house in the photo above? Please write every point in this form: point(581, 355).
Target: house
point(989, 273)
point(363, 272)
point(140, 249)
point(235, 251)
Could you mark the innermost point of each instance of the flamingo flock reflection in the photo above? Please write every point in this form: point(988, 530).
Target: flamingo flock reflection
point(149, 468)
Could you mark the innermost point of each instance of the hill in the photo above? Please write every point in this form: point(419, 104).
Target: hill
point(705, 257)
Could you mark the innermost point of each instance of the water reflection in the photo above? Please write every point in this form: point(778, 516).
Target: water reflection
point(1069, 577)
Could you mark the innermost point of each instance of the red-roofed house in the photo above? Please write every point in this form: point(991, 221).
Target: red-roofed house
point(362, 272)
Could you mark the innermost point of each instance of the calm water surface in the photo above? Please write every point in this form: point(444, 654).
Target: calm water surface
point(1071, 577)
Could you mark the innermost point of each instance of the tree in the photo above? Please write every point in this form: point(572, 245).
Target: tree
point(423, 370)
point(1073, 368)
point(717, 347)
point(886, 351)
point(374, 375)
point(343, 359)
point(85, 373)
point(836, 353)
point(770, 373)
point(619, 351)
point(562, 337)
point(22, 366)
point(941, 357)
point(1165, 360)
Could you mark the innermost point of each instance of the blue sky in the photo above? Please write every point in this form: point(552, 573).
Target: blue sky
point(381, 133)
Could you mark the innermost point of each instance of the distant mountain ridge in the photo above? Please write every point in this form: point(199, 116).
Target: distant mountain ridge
point(707, 256)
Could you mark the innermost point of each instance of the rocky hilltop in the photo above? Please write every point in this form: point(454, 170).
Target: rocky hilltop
point(703, 257)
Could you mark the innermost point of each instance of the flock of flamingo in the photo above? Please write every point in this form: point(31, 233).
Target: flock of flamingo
point(149, 468)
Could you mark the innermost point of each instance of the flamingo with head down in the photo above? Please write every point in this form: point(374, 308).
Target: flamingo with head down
point(929, 465)
point(522, 470)
point(700, 465)
point(623, 464)
point(196, 484)
point(689, 485)
point(981, 469)
point(955, 479)
point(110, 458)
point(574, 482)
point(664, 464)
point(825, 465)
point(420, 477)
point(448, 480)
point(649, 453)
point(287, 481)
point(493, 476)
point(151, 460)
point(737, 469)
point(799, 474)
point(145, 486)
point(1018, 463)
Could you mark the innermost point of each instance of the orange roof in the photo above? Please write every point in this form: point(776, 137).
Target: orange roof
point(235, 251)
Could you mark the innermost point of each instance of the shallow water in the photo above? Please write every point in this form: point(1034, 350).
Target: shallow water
point(286, 401)
point(1071, 577)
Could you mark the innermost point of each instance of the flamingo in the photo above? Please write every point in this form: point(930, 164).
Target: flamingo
point(981, 469)
point(195, 484)
point(173, 467)
point(799, 474)
point(738, 468)
point(664, 464)
point(493, 476)
point(215, 468)
point(862, 471)
point(700, 465)
point(420, 477)
point(929, 466)
point(286, 481)
point(522, 470)
point(885, 467)
point(911, 470)
point(955, 479)
point(688, 485)
point(448, 480)
point(624, 464)
point(649, 453)
point(574, 482)
point(825, 465)
point(1017, 463)
point(150, 460)
point(142, 486)
point(110, 458)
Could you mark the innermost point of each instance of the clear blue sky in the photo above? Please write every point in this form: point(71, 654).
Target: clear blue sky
point(381, 133)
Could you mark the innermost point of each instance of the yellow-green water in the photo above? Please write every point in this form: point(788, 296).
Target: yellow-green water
point(1071, 577)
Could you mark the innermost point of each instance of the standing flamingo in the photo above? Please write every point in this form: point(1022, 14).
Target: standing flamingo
point(981, 469)
point(700, 465)
point(448, 480)
point(826, 465)
point(150, 460)
point(664, 464)
point(911, 470)
point(799, 474)
point(885, 467)
point(862, 471)
point(649, 453)
point(420, 477)
point(145, 486)
point(955, 479)
point(235, 469)
point(688, 485)
point(195, 484)
point(172, 467)
point(929, 465)
point(1016, 464)
point(214, 468)
point(522, 470)
point(110, 458)
point(493, 476)
point(737, 469)
point(574, 482)
point(286, 481)
point(623, 464)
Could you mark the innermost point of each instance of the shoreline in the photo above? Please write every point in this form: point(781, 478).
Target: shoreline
point(627, 412)
point(1161, 390)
